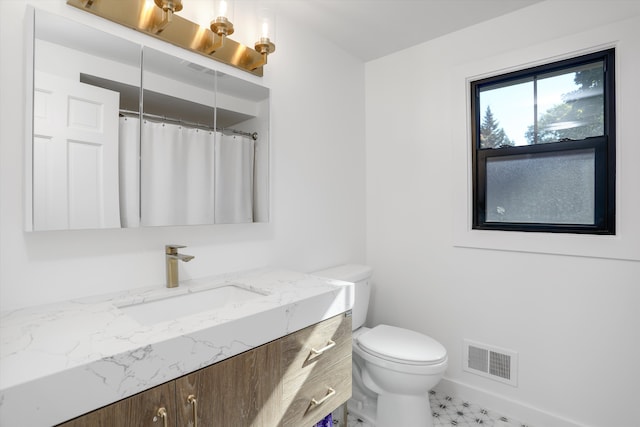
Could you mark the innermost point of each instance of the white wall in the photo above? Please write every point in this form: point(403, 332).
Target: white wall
point(317, 180)
point(573, 320)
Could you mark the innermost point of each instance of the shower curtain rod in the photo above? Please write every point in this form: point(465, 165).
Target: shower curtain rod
point(253, 135)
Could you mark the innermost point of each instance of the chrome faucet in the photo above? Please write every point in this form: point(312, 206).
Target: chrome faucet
point(172, 257)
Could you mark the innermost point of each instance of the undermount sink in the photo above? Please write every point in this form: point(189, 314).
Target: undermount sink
point(174, 307)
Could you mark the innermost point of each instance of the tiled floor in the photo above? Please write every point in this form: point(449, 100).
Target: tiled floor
point(447, 411)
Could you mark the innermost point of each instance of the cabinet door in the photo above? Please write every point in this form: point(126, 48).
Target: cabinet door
point(241, 391)
point(140, 410)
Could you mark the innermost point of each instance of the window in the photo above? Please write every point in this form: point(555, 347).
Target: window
point(544, 148)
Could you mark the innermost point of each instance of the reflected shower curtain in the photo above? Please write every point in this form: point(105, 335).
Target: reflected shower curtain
point(129, 170)
point(234, 162)
point(176, 175)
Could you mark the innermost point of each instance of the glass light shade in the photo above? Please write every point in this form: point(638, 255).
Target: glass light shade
point(223, 9)
point(266, 24)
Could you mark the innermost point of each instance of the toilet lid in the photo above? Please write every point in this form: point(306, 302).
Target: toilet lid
point(402, 345)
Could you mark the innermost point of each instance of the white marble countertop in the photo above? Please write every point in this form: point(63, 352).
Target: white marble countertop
point(59, 361)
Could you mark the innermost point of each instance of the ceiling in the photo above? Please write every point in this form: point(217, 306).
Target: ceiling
point(370, 29)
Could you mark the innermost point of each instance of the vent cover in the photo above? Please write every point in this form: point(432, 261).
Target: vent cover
point(491, 362)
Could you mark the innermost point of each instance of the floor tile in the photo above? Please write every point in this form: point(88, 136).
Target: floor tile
point(448, 411)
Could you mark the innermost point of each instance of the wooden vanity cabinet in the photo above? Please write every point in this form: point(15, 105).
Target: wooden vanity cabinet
point(140, 410)
point(244, 390)
point(293, 381)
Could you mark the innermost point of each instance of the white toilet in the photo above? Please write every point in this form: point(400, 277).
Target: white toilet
point(393, 368)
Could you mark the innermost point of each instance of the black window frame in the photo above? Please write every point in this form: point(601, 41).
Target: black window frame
point(604, 147)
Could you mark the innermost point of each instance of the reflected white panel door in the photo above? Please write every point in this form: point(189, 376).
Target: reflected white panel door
point(75, 155)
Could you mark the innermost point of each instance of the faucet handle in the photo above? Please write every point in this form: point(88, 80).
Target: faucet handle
point(172, 249)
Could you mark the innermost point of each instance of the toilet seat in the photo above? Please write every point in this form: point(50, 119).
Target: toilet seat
point(402, 346)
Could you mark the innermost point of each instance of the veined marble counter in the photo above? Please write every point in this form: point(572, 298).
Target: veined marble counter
point(61, 360)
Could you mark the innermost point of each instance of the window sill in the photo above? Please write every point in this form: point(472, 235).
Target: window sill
point(593, 246)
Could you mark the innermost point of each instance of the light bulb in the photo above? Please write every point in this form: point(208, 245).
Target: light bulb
point(223, 9)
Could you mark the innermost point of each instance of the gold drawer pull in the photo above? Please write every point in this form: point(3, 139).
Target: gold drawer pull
point(162, 413)
point(194, 403)
point(330, 344)
point(330, 393)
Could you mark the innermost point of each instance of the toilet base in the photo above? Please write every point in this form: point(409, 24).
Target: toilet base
point(402, 410)
point(362, 406)
point(365, 415)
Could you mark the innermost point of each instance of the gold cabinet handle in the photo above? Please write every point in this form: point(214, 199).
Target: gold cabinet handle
point(330, 393)
point(194, 405)
point(330, 344)
point(162, 413)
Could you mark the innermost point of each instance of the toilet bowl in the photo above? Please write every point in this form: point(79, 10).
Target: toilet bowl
point(393, 368)
point(400, 366)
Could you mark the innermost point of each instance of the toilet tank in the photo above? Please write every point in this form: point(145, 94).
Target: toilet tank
point(360, 276)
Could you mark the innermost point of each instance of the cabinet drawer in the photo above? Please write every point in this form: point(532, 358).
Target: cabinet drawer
point(298, 357)
point(331, 387)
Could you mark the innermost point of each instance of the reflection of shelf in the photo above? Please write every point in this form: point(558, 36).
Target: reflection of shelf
point(168, 106)
point(182, 122)
point(129, 94)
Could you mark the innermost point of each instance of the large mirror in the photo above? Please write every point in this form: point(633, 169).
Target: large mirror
point(128, 136)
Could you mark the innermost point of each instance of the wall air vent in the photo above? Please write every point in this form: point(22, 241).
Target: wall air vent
point(490, 362)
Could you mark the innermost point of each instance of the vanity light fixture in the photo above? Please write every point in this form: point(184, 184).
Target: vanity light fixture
point(220, 25)
point(169, 7)
point(266, 30)
point(159, 19)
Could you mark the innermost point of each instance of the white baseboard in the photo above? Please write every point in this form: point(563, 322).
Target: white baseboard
point(522, 412)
